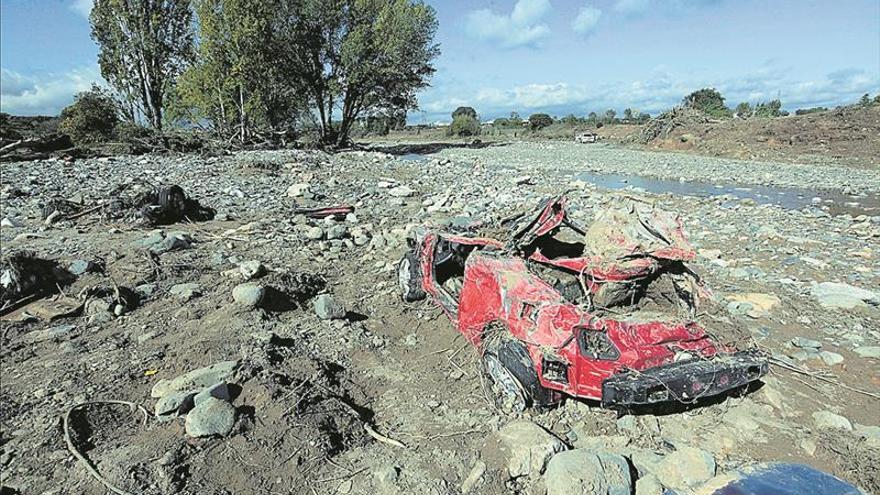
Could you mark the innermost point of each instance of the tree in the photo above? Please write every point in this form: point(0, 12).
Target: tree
point(610, 115)
point(744, 110)
point(358, 56)
point(464, 112)
point(644, 117)
point(464, 125)
point(515, 120)
point(91, 118)
point(570, 120)
point(771, 108)
point(539, 121)
point(242, 81)
point(501, 123)
point(708, 101)
point(865, 100)
point(628, 114)
point(593, 118)
point(143, 46)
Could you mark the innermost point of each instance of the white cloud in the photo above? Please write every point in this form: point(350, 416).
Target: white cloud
point(82, 7)
point(522, 27)
point(43, 95)
point(659, 91)
point(586, 20)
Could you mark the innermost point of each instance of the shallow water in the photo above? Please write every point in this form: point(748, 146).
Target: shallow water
point(835, 202)
point(832, 201)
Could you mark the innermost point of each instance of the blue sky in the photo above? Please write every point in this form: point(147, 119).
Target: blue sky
point(557, 56)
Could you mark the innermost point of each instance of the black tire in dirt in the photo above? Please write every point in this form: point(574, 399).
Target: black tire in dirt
point(512, 375)
point(409, 278)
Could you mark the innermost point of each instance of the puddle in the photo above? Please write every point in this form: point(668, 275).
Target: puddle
point(835, 202)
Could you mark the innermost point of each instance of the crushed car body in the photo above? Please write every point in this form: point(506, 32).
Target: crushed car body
point(560, 310)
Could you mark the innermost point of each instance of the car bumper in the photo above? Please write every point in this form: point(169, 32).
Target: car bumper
point(684, 381)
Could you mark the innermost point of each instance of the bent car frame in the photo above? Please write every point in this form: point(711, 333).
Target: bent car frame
point(554, 317)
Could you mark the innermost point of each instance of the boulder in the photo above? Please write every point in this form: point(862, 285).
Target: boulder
point(195, 379)
point(520, 448)
point(827, 420)
point(298, 190)
point(248, 294)
point(327, 308)
point(211, 417)
point(585, 471)
point(684, 469)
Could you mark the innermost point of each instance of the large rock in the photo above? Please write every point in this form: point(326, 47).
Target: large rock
point(248, 294)
point(185, 292)
point(195, 379)
point(684, 469)
point(211, 417)
point(328, 308)
point(584, 471)
point(837, 295)
point(829, 420)
point(520, 448)
point(868, 351)
point(298, 190)
point(251, 269)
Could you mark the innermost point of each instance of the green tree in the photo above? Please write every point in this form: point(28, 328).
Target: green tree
point(593, 118)
point(91, 118)
point(515, 120)
point(501, 123)
point(865, 100)
point(628, 114)
point(708, 101)
point(464, 125)
point(744, 110)
point(359, 56)
point(241, 81)
point(464, 111)
point(143, 46)
point(772, 108)
point(610, 115)
point(539, 121)
point(570, 120)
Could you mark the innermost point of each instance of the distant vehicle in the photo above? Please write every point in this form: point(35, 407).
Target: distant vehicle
point(535, 306)
point(586, 137)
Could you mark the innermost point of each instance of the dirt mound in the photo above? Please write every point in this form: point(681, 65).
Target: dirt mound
point(845, 135)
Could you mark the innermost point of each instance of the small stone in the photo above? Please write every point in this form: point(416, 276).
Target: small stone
point(146, 290)
point(186, 292)
point(829, 420)
point(401, 191)
point(474, 477)
point(298, 190)
point(327, 308)
point(210, 418)
point(337, 232)
point(80, 267)
point(315, 233)
point(251, 269)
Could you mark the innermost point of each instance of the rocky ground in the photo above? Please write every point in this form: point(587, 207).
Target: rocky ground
point(320, 380)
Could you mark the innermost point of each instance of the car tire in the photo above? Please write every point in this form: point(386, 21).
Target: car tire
point(409, 278)
point(512, 375)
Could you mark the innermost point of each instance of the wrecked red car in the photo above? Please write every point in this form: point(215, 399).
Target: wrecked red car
point(602, 313)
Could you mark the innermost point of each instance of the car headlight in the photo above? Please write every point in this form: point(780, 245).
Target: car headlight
point(596, 344)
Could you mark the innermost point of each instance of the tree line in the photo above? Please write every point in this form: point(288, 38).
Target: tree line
point(246, 68)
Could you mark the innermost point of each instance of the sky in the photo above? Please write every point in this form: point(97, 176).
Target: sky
point(556, 56)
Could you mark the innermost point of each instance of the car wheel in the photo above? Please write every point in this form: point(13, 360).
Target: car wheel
point(409, 278)
point(512, 376)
